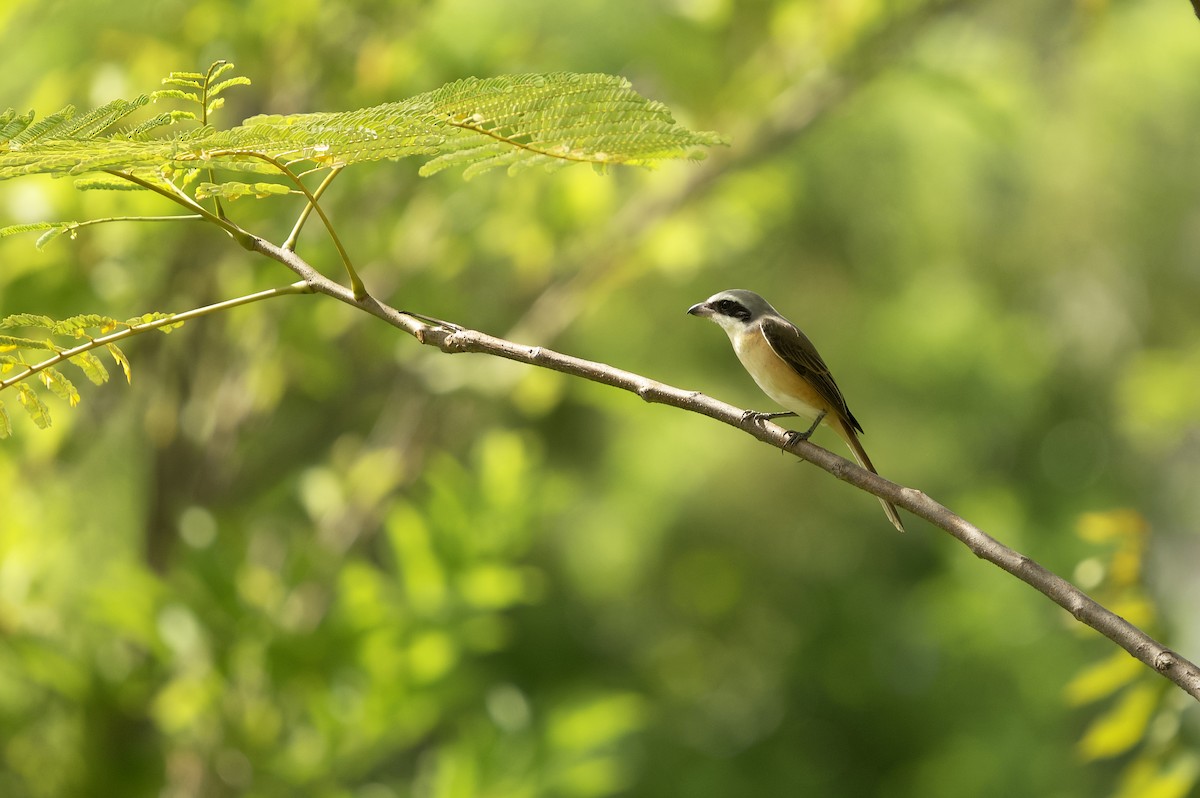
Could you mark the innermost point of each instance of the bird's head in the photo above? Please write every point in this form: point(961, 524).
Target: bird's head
point(734, 310)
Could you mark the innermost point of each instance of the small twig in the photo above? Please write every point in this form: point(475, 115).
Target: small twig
point(290, 243)
point(356, 284)
point(179, 198)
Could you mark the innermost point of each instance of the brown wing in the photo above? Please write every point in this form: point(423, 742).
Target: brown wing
point(799, 353)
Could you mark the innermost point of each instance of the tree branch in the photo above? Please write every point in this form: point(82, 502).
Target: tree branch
point(452, 339)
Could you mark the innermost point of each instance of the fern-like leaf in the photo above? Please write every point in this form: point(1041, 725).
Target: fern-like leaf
point(105, 183)
point(13, 124)
point(99, 331)
point(104, 117)
point(34, 406)
point(9, 343)
point(232, 191)
point(62, 387)
point(148, 318)
point(512, 122)
point(92, 367)
point(77, 326)
point(26, 320)
point(119, 358)
point(5, 423)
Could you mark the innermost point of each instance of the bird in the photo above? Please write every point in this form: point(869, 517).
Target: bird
point(786, 366)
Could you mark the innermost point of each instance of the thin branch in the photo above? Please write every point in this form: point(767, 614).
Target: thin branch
point(179, 198)
point(356, 284)
point(290, 243)
point(191, 217)
point(301, 287)
point(452, 339)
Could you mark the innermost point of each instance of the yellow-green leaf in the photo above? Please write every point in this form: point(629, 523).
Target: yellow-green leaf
point(5, 424)
point(1122, 726)
point(121, 360)
point(1149, 778)
point(1102, 679)
point(150, 318)
point(45, 238)
point(232, 191)
point(77, 326)
point(34, 406)
point(62, 387)
point(27, 320)
point(92, 367)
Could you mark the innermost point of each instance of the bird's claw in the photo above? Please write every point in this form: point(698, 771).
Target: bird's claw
point(795, 435)
point(758, 418)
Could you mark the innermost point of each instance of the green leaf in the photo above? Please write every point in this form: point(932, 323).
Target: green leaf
point(33, 227)
point(48, 236)
point(27, 320)
point(106, 183)
point(34, 406)
point(1147, 777)
point(1123, 726)
point(45, 128)
point(10, 342)
point(78, 325)
point(193, 77)
point(104, 117)
point(512, 121)
point(5, 423)
point(216, 70)
point(233, 191)
point(1102, 679)
point(119, 357)
point(62, 387)
point(150, 318)
point(225, 84)
point(175, 94)
point(11, 125)
point(91, 366)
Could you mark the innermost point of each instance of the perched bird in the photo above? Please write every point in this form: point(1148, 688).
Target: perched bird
point(785, 364)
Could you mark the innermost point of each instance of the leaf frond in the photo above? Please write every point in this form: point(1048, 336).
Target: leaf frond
point(99, 332)
point(26, 320)
point(233, 191)
point(34, 406)
point(104, 182)
point(46, 128)
point(100, 119)
point(512, 122)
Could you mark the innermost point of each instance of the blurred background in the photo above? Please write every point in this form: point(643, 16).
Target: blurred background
point(302, 555)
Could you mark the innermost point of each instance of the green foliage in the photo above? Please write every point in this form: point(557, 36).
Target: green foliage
point(512, 121)
point(251, 576)
point(232, 191)
point(1143, 715)
point(207, 88)
point(99, 331)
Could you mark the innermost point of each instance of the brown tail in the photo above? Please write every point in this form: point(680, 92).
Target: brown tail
point(860, 454)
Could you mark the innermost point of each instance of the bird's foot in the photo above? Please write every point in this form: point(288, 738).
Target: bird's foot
point(795, 435)
point(757, 417)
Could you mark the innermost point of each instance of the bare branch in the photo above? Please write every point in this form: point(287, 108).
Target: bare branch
point(452, 339)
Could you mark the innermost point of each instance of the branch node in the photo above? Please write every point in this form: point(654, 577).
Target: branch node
point(453, 343)
point(1164, 661)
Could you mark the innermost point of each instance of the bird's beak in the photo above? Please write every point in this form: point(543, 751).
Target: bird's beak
point(700, 309)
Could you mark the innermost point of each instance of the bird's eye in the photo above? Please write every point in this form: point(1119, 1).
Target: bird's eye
point(725, 305)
